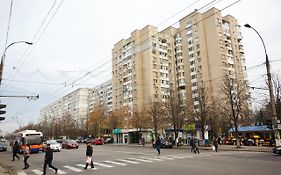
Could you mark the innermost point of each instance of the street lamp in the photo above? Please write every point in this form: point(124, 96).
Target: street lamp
point(4, 55)
point(271, 95)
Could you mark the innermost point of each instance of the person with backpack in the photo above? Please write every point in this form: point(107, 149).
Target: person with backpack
point(16, 149)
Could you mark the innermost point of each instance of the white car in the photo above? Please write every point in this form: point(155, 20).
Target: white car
point(55, 146)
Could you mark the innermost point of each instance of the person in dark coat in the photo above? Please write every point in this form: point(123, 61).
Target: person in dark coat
point(49, 159)
point(158, 145)
point(216, 144)
point(16, 149)
point(89, 154)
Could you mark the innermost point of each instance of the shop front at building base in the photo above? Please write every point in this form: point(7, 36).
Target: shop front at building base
point(126, 136)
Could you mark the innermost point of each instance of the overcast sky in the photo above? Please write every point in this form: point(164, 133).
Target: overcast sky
point(72, 46)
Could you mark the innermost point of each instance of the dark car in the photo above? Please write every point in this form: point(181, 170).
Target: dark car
point(165, 143)
point(277, 150)
point(97, 141)
point(3, 146)
point(86, 140)
point(68, 144)
point(108, 140)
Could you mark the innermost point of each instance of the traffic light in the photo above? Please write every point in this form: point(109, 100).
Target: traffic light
point(2, 112)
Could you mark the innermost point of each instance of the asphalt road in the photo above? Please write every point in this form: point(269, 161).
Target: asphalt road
point(137, 160)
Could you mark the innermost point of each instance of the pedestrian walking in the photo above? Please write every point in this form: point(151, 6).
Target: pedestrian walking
point(158, 145)
point(215, 144)
point(143, 141)
point(16, 149)
point(48, 160)
point(194, 147)
point(89, 154)
point(26, 155)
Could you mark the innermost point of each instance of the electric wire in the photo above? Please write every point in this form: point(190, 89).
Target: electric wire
point(220, 10)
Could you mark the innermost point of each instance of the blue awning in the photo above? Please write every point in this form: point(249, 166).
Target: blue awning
point(251, 128)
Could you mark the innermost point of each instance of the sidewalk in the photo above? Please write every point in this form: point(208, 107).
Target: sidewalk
point(4, 170)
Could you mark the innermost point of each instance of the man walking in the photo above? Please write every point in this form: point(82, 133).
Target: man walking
point(216, 144)
point(16, 149)
point(158, 145)
point(49, 159)
point(89, 154)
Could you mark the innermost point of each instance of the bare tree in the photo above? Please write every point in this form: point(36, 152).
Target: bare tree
point(236, 103)
point(139, 120)
point(97, 120)
point(202, 110)
point(155, 111)
point(175, 111)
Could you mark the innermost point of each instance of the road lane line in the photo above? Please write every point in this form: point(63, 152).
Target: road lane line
point(38, 172)
point(151, 158)
point(142, 160)
point(165, 158)
point(21, 173)
point(128, 161)
point(117, 163)
point(72, 168)
point(82, 165)
point(60, 171)
point(104, 165)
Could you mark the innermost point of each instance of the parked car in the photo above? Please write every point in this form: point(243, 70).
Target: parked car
point(55, 146)
point(165, 143)
point(3, 146)
point(68, 144)
point(86, 140)
point(108, 140)
point(97, 141)
point(277, 150)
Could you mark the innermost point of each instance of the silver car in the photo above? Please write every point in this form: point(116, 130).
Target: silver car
point(3, 146)
point(55, 146)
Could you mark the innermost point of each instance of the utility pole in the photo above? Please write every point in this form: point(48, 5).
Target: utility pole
point(271, 95)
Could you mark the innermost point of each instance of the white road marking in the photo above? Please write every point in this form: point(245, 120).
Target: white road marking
point(38, 172)
point(142, 160)
point(117, 163)
point(72, 168)
point(101, 164)
point(21, 173)
point(82, 165)
point(129, 161)
point(151, 158)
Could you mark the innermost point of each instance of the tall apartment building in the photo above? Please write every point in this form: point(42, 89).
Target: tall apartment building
point(211, 49)
point(151, 64)
point(101, 94)
point(74, 104)
point(142, 68)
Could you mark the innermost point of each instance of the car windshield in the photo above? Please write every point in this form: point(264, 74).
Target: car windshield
point(71, 141)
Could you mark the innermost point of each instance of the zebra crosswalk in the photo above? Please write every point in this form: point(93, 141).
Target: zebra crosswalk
point(79, 168)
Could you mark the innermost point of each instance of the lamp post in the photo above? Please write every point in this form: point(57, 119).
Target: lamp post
point(4, 55)
point(271, 95)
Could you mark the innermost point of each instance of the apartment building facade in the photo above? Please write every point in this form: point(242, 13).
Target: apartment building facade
point(200, 53)
point(74, 104)
point(101, 95)
point(212, 50)
point(143, 68)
